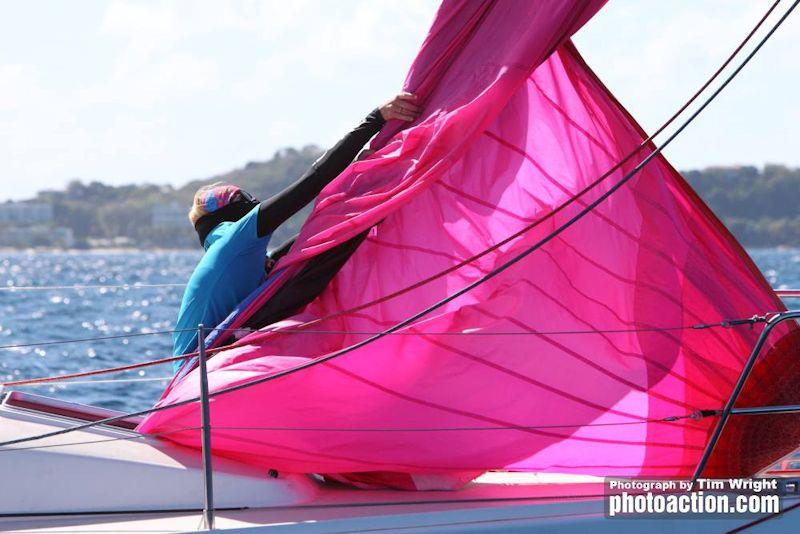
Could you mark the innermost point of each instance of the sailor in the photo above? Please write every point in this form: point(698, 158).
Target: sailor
point(234, 228)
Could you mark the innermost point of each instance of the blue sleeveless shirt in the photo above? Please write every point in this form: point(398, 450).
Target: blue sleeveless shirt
point(231, 268)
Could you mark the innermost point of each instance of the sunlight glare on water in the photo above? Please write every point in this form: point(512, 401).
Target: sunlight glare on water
point(58, 314)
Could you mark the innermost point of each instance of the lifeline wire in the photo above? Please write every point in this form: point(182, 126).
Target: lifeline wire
point(696, 416)
point(670, 419)
point(116, 336)
point(455, 295)
point(80, 287)
point(106, 440)
point(109, 381)
point(699, 326)
point(86, 339)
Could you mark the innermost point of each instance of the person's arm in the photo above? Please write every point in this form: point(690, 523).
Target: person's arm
point(276, 210)
point(279, 252)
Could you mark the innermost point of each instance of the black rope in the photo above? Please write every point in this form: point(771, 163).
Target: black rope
point(498, 270)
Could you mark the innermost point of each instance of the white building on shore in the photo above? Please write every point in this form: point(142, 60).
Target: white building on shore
point(172, 215)
point(31, 224)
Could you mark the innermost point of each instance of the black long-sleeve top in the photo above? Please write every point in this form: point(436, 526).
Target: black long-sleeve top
point(277, 209)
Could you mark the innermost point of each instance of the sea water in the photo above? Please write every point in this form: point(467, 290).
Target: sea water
point(34, 316)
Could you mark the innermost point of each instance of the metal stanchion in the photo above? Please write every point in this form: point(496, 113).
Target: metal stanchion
point(208, 481)
point(729, 409)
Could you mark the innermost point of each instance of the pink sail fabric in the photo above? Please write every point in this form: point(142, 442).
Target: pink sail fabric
point(584, 357)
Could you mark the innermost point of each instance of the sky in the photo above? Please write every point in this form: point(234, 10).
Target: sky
point(131, 91)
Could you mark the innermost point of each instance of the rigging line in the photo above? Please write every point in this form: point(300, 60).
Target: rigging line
point(116, 336)
point(120, 368)
point(105, 440)
point(110, 370)
point(573, 199)
point(60, 378)
point(89, 286)
point(87, 339)
point(108, 381)
point(589, 207)
point(696, 416)
point(672, 419)
point(698, 326)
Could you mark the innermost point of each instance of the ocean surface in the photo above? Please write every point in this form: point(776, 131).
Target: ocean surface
point(30, 314)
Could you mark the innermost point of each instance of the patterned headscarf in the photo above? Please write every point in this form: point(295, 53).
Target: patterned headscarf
point(218, 202)
point(211, 198)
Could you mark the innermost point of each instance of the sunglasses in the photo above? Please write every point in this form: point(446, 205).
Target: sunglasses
point(247, 197)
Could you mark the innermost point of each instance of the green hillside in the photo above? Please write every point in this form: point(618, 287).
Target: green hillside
point(760, 207)
point(98, 211)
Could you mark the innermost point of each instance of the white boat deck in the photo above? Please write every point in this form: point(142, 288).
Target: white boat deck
point(108, 479)
point(478, 508)
point(496, 500)
point(111, 479)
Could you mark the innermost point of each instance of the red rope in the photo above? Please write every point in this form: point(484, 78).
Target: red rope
point(92, 373)
point(110, 369)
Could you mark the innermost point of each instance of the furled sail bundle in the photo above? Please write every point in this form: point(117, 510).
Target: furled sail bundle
point(585, 356)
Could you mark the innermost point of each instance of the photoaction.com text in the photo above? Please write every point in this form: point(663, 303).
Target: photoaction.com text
point(639, 498)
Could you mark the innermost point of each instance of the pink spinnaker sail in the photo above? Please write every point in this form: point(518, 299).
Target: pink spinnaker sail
point(581, 358)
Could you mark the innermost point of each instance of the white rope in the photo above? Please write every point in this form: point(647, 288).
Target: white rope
point(79, 287)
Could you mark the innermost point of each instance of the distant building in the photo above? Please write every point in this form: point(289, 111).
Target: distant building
point(110, 242)
point(172, 215)
point(26, 213)
point(37, 236)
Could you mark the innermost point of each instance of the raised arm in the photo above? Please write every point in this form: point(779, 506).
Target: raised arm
point(276, 210)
